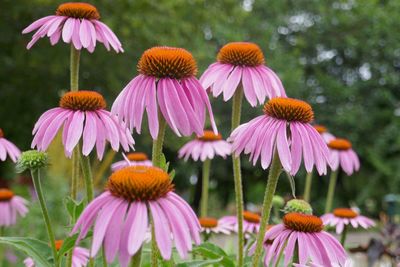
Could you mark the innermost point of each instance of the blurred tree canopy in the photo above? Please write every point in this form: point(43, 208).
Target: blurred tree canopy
point(343, 57)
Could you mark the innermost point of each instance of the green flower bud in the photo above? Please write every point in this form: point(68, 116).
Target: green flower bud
point(278, 201)
point(32, 160)
point(299, 206)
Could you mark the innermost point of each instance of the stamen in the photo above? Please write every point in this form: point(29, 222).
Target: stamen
point(345, 213)
point(340, 144)
point(210, 136)
point(289, 109)
point(6, 194)
point(303, 222)
point(251, 217)
point(208, 222)
point(241, 54)
point(78, 10)
point(83, 101)
point(164, 61)
point(139, 183)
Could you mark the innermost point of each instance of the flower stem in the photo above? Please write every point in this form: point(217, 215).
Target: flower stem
point(331, 191)
point(74, 68)
point(204, 190)
point(158, 143)
point(154, 248)
point(103, 256)
point(273, 177)
point(136, 259)
point(307, 187)
point(344, 235)
point(87, 177)
point(237, 176)
point(38, 187)
point(2, 247)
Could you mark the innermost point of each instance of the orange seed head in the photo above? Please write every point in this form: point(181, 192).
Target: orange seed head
point(241, 54)
point(78, 10)
point(83, 101)
point(303, 222)
point(289, 109)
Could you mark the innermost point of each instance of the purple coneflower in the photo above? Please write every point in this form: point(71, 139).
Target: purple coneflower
point(121, 215)
point(323, 131)
point(242, 63)
point(251, 222)
point(206, 147)
point(341, 217)
point(286, 126)
point(80, 256)
point(77, 23)
point(166, 80)
point(212, 225)
point(341, 153)
point(83, 116)
point(132, 159)
point(6, 147)
point(10, 207)
point(305, 234)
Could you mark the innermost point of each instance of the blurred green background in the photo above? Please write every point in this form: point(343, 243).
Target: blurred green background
point(343, 57)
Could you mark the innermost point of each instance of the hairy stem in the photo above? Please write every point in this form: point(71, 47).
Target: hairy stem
point(136, 259)
point(205, 186)
point(331, 191)
point(158, 143)
point(344, 235)
point(273, 177)
point(307, 187)
point(87, 177)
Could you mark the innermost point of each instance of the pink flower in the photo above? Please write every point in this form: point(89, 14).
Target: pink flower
point(242, 63)
point(77, 23)
point(206, 147)
point(211, 225)
point(323, 131)
point(303, 232)
point(166, 79)
point(343, 216)
point(121, 215)
point(80, 256)
point(132, 159)
point(286, 126)
point(83, 115)
point(6, 147)
point(11, 206)
point(342, 154)
point(251, 222)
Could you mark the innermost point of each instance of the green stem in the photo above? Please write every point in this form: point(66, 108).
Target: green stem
point(2, 247)
point(237, 176)
point(87, 177)
point(307, 187)
point(344, 235)
point(204, 190)
point(331, 191)
point(158, 143)
point(136, 259)
point(74, 68)
point(38, 187)
point(154, 248)
point(273, 177)
point(103, 256)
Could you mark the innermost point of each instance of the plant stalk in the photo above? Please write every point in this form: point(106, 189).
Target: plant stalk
point(87, 177)
point(331, 191)
point(307, 187)
point(344, 235)
point(136, 259)
point(205, 186)
point(158, 143)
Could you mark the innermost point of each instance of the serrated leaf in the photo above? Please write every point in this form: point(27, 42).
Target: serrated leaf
point(73, 207)
point(211, 251)
point(38, 250)
point(201, 263)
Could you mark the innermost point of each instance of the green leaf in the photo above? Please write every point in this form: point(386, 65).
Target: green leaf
point(38, 250)
point(172, 174)
point(211, 251)
point(73, 207)
point(200, 263)
point(67, 245)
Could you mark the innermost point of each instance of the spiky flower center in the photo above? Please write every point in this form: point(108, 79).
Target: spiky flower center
point(303, 223)
point(251, 217)
point(208, 222)
point(210, 136)
point(167, 62)
point(140, 183)
point(78, 10)
point(289, 109)
point(137, 156)
point(59, 244)
point(83, 101)
point(345, 213)
point(6, 194)
point(320, 129)
point(241, 54)
point(1, 133)
point(339, 144)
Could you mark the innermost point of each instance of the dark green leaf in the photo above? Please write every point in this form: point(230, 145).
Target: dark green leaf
point(74, 208)
point(200, 263)
point(211, 251)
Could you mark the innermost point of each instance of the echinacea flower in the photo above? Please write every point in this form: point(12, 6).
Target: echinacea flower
point(83, 116)
point(206, 147)
point(132, 159)
point(166, 79)
point(323, 131)
point(212, 225)
point(342, 217)
point(242, 63)
point(305, 233)
point(77, 23)
point(286, 126)
point(342, 154)
point(11, 206)
point(80, 256)
point(121, 215)
point(251, 222)
point(6, 147)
